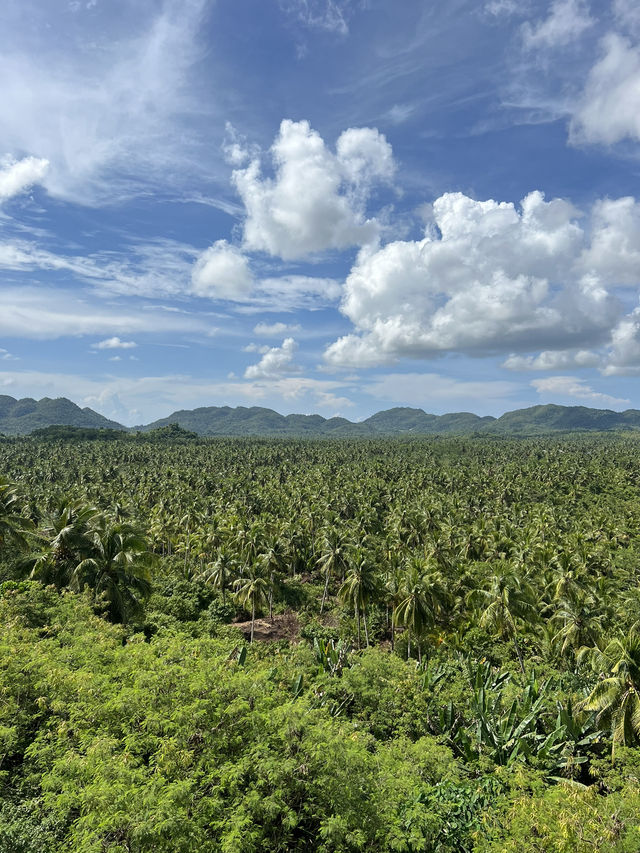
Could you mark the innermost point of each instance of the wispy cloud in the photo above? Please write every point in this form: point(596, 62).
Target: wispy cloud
point(48, 314)
point(102, 109)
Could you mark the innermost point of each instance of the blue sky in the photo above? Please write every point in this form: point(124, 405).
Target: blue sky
point(331, 206)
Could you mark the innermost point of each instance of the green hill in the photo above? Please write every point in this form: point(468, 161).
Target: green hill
point(536, 420)
point(20, 417)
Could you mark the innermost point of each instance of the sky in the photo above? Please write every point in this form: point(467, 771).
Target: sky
point(331, 206)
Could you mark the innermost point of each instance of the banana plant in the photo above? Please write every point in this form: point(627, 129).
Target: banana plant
point(331, 656)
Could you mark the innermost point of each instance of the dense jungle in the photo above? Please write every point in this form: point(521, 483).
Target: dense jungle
point(223, 645)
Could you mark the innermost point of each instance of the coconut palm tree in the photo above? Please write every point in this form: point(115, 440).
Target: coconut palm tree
point(506, 601)
point(616, 697)
point(65, 540)
point(221, 571)
point(333, 558)
point(251, 593)
point(14, 526)
point(359, 587)
point(414, 608)
point(117, 568)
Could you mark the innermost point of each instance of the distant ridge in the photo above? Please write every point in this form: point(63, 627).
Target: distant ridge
point(536, 420)
point(21, 417)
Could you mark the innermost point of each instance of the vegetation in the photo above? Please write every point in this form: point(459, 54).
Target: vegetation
point(62, 419)
point(455, 654)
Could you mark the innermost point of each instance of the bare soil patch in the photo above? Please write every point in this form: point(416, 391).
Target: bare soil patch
point(283, 626)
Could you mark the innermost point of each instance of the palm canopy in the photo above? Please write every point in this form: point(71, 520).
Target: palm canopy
point(616, 697)
point(360, 585)
point(14, 526)
point(251, 593)
point(505, 601)
point(117, 568)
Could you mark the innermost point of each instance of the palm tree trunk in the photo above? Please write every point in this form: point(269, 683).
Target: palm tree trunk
point(253, 618)
point(408, 642)
point(324, 594)
point(366, 633)
point(393, 631)
point(358, 621)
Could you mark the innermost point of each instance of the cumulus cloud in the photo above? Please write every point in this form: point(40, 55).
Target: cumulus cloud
point(275, 362)
point(222, 272)
point(567, 21)
point(609, 108)
point(273, 330)
point(572, 387)
point(614, 252)
point(114, 343)
point(16, 176)
point(623, 357)
point(496, 279)
point(316, 201)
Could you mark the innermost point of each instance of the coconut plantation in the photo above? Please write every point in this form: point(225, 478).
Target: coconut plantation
point(249, 644)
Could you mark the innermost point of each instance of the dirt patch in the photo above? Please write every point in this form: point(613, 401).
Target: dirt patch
point(283, 626)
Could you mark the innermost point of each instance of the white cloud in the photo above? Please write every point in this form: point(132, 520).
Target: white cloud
point(498, 279)
point(235, 147)
point(623, 357)
point(328, 15)
point(567, 21)
point(102, 105)
point(553, 360)
point(288, 292)
point(614, 252)
point(222, 272)
point(507, 8)
point(48, 314)
point(399, 113)
point(261, 348)
point(572, 387)
point(627, 15)
point(16, 176)
point(162, 267)
point(316, 201)
point(275, 362)
point(114, 343)
point(273, 330)
point(609, 109)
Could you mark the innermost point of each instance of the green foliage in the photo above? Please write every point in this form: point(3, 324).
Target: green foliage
point(495, 583)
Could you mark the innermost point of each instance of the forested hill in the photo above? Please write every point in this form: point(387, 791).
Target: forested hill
point(21, 417)
point(214, 420)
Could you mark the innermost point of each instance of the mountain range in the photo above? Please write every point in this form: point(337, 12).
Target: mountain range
point(21, 417)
